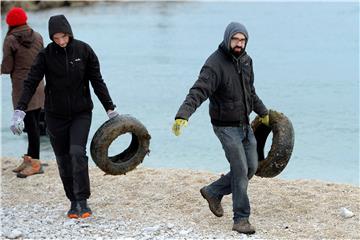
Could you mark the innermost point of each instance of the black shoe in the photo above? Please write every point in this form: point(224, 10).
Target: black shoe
point(74, 210)
point(85, 210)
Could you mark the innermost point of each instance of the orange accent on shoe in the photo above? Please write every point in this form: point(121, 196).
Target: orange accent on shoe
point(73, 215)
point(85, 215)
point(34, 168)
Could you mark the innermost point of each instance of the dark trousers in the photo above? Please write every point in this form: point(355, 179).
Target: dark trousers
point(68, 138)
point(31, 121)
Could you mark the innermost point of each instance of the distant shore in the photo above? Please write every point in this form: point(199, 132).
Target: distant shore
point(41, 5)
point(166, 204)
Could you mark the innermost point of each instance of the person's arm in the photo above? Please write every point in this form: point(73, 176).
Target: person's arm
point(7, 64)
point(206, 84)
point(203, 88)
point(35, 76)
point(94, 75)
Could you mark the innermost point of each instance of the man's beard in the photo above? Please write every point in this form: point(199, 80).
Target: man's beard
point(237, 51)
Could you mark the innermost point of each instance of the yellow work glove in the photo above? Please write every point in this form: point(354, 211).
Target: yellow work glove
point(265, 120)
point(176, 128)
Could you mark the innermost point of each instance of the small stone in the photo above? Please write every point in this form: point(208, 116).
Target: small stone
point(14, 234)
point(69, 223)
point(346, 213)
point(170, 225)
point(84, 225)
point(185, 232)
point(151, 229)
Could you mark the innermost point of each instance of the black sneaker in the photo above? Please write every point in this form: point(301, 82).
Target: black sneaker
point(74, 210)
point(85, 210)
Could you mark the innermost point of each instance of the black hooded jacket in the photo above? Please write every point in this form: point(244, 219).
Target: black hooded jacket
point(228, 82)
point(68, 72)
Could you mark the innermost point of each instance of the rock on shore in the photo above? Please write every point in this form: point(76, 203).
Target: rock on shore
point(166, 204)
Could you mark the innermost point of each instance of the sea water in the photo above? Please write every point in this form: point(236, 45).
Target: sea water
point(306, 64)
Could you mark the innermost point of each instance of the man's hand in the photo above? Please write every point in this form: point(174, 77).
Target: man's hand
point(17, 122)
point(176, 128)
point(265, 120)
point(112, 113)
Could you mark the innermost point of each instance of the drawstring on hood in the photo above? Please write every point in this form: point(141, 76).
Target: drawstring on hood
point(231, 30)
point(59, 24)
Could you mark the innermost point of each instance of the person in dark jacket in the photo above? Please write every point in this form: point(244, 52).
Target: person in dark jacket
point(227, 79)
point(21, 46)
point(69, 66)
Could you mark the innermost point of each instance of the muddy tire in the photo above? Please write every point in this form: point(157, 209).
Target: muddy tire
point(130, 157)
point(281, 147)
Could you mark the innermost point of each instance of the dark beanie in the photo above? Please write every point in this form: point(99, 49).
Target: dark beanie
point(16, 17)
point(59, 24)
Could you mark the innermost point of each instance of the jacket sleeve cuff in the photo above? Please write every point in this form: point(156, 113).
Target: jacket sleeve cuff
point(109, 106)
point(265, 113)
point(21, 107)
point(181, 118)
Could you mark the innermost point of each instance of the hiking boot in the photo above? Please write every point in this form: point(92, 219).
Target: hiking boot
point(74, 210)
point(25, 163)
point(85, 210)
point(34, 168)
point(214, 203)
point(244, 226)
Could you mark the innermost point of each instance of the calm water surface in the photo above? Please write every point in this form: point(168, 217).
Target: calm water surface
point(306, 63)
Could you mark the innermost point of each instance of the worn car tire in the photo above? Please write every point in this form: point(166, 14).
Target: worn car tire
point(130, 157)
point(281, 147)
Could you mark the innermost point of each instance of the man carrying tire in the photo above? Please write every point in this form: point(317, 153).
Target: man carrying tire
point(227, 79)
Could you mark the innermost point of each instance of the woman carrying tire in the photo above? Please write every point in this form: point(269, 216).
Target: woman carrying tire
point(69, 66)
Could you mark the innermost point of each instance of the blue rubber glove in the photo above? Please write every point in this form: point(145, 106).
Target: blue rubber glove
point(176, 128)
point(112, 113)
point(17, 122)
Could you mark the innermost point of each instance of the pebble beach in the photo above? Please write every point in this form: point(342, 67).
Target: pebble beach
point(166, 204)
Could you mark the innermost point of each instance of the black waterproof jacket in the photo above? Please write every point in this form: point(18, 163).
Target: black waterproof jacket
point(68, 72)
point(228, 82)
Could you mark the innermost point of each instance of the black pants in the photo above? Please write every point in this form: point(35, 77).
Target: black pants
point(68, 138)
point(31, 121)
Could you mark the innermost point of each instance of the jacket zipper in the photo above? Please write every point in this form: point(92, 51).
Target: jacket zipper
point(243, 88)
point(68, 78)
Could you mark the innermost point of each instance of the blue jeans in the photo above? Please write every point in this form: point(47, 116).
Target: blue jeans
point(239, 144)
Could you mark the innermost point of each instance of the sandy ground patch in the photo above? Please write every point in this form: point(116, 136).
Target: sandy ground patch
point(166, 204)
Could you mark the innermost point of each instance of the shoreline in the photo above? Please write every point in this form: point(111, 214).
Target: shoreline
point(42, 5)
point(166, 204)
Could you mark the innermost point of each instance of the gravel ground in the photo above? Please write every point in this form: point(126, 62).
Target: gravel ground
point(166, 204)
